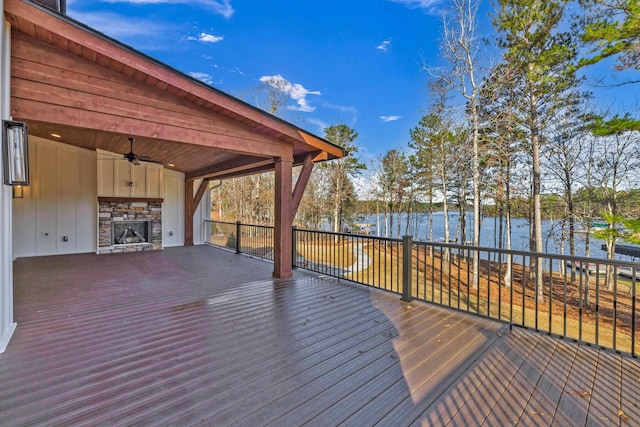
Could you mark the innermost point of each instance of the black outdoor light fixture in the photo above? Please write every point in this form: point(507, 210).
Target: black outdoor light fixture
point(15, 153)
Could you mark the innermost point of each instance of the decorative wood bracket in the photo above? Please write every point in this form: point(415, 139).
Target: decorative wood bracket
point(191, 203)
point(301, 183)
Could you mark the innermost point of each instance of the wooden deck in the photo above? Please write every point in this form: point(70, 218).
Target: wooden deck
point(202, 336)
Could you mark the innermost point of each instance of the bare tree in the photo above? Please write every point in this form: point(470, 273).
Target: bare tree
point(618, 167)
point(563, 155)
point(460, 48)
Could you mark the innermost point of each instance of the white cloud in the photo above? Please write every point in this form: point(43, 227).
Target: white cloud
point(120, 27)
point(222, 7)
point(342, 108)
point(388, 119)
point(429, 6)
point(206, 38)
point(384, 46)
point(296, 91)
point(203, 77)
point(321, 124)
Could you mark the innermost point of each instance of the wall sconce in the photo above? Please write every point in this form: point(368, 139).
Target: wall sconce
point(15, 153)
point(18, 191)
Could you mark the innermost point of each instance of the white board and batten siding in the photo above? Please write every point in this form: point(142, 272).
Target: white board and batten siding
point(173, 209)
point(7, 323)
point(58, 213)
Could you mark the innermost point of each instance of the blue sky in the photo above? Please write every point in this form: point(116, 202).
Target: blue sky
point(348, 61)
point(353, 62)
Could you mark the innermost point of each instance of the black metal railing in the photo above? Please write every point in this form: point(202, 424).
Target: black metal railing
point(585, 299)
point(589, 300)
point(254, 240)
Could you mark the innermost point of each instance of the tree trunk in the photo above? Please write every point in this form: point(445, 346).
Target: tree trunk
point(476, 188)
point(537, 206)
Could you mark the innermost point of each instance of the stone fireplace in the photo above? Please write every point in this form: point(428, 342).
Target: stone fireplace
point(129, 224)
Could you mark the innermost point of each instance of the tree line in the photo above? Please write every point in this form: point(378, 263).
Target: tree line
point(511, 134)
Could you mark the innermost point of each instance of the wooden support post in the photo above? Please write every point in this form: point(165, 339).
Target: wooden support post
point(282, 239)
point(191, 203)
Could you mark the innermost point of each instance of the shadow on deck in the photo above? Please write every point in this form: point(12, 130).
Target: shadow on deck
point(201, 335)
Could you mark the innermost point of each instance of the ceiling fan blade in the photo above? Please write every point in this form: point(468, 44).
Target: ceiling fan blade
point(156, 161)
point(132, 157)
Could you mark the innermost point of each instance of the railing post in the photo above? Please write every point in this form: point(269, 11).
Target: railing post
point(238, 224)
point(293, 247)
point(406, 268)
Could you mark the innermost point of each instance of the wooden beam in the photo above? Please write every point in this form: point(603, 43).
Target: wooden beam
point(245, 172)
point(101, 121)
point(218, 172)
point(130, 199)
point(240, 165)
point(282, 239)
point(40, 64)
point(321, 157)
point(333, 151)
point(301, 184)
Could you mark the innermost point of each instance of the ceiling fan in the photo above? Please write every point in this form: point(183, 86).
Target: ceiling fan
point(136, 159)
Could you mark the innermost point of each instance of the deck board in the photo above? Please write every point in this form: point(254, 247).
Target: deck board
point(630, 390)
point(451, 400)
point(510, 408)
point(604, 405)
point(345, 395)
point(199, 335)
point(542, 404)
point(574, 401)
point(437, 351)
point(490, 392)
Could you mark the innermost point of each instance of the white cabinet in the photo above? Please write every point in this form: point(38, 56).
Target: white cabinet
point(119, 178)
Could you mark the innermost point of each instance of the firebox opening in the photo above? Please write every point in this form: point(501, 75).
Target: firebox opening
point(130, 232)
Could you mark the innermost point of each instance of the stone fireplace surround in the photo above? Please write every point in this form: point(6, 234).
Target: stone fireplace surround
point(112, 209)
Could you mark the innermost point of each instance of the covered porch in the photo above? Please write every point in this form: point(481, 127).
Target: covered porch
point(84, 97)
point(199, 335)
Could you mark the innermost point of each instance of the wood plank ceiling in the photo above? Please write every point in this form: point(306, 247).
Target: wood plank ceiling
point(92, 91)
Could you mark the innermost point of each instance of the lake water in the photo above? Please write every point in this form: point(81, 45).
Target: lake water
point(419, 223)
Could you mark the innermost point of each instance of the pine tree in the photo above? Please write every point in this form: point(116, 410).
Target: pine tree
point(340, 188)
point(543, 61)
